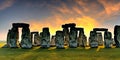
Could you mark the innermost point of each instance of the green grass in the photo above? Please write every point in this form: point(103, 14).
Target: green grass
point(59, 54)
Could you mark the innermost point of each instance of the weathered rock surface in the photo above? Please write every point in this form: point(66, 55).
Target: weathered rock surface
point(117, 35)
point(37, 39)
point(66, 34)
point(26, 41)
point(93, 39)
point(12, 37)
point(59, 39)
point(45, 38)
point(100, 39)
point(52, 42)
point(108, 39)
point(82, 39)
point(73, 38)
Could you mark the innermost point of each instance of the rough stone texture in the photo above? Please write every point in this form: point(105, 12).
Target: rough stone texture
point(93, 39)
point(117, 35)
point(59, 39)
point(45, 38)
point(52, 42)
point(82, 39)
point(66, 34)
point(100, 39)
point(108, 39)
point(100, 29)
point(37, 39)
point(12, 37)
point(73, 38)
point(26, 41)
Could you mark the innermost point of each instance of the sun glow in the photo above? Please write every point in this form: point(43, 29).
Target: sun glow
point(85, 22)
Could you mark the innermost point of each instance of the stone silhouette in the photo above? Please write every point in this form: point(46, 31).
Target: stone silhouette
point(82, 39)
point(73, 36)
point(26, 41)
point(13, 36)
point(36, 36)
point(45, 38)
point(99, 38)
point(52, 42)
point(66, 34)
point(93, 39)
point(59, 39)
point(108, 39)
point(117, 35)
point(99, 35)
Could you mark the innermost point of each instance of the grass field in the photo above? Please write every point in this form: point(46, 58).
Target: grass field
point(59, 54)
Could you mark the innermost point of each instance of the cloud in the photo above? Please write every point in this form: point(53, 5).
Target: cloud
point(85, 13)
point(55, 23)
point(5, 4)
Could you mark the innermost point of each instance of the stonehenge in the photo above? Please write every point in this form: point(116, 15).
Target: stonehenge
point(52, 42)
point(13, 36)
point(45, 38)
point(36, 38)
point(108, 39)
point(82, 39)
point(73, 37)
point(93, 39)
point(117, 35)
point(96, 38)
point(59, 39)
point(70, 36)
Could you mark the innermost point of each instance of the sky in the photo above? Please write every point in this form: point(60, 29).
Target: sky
point(87, 14)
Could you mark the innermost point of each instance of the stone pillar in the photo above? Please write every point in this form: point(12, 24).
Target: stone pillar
point(93, 39)
point(66, 34)
point(82, 39)
point(100, 39)
point(26, 41)
point(59, 39)
point(52, 42)
point(12, 37)
point(37, 39)
point(45, 38)
point(73, 38)
point(117, 35)
point(108, 39)
point(32, 38)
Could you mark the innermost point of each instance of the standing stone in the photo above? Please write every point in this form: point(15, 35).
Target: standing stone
point(73, 38)
point(117, 35)
point(82, 39)
point(66, 34)
point(37, 39)
point(45, 38)
point(52, 42)
point(8, 38)
point(108, 39)
point(59, 39)
point(93, 39)
point(26, 41)
point(12, 37)
point(99, 38)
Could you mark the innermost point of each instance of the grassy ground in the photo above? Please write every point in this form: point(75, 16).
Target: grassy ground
point(59, 54)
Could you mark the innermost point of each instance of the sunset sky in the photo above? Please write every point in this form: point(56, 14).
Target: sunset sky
point(53, 13)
